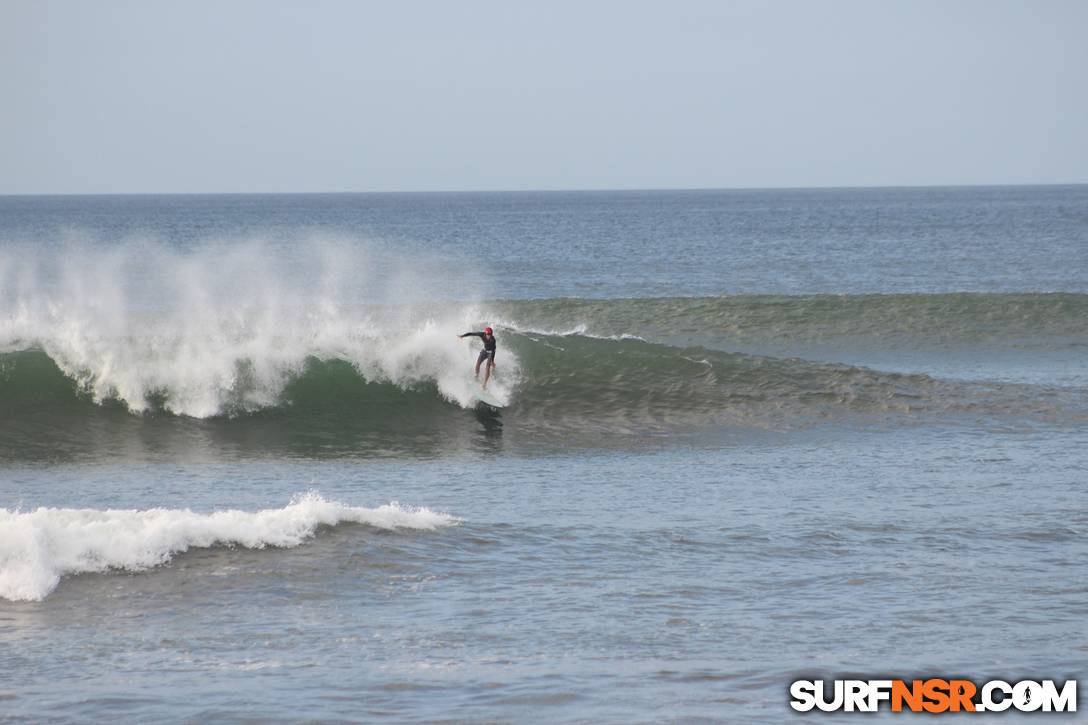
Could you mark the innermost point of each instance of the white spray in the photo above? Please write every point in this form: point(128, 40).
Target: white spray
point(225, 326)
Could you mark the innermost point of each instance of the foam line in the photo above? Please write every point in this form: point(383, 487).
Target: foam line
point(39, 547)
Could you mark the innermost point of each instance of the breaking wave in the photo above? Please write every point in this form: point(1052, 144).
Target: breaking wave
point(38, 548)
point(222, 331)
point(229, 334)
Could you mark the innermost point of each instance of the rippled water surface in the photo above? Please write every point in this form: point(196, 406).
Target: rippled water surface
point(749, 437)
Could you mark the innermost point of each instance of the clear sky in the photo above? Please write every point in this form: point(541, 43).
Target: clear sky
point(246, 96)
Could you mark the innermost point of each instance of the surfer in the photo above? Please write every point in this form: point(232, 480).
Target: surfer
point(488, 353)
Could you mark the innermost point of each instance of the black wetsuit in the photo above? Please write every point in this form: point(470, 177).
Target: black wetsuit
point(489, 346)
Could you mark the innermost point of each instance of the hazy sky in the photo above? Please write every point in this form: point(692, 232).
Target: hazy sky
point(183, 96)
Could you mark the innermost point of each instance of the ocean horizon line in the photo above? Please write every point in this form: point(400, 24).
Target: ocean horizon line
point(583, 190)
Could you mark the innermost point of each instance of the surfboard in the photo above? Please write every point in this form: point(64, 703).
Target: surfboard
point(482, 396)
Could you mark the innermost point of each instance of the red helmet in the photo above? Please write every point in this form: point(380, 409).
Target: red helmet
point(487, 330)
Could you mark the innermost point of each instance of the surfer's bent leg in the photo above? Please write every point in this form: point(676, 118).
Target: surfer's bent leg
point(479, 359)
point(490, 364)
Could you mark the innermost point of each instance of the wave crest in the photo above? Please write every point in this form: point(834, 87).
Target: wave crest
point(212, 333)
point(39, 547)
point(217, 331)
point(882, 320)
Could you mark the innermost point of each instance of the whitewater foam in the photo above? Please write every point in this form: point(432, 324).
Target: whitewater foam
point(222, 330)
point(229, 330)
point(39, 547)
point(580, 330)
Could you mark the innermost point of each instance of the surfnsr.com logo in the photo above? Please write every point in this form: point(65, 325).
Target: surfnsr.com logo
point(933, 695)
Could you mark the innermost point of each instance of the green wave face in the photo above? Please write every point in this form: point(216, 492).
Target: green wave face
point(571, 370)
point(568, 384)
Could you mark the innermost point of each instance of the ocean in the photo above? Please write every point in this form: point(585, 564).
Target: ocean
point(748, 437)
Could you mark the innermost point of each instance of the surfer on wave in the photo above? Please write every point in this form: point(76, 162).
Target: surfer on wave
point(488, 353)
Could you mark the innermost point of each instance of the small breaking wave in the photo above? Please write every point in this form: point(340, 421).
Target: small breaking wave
point(38, 548)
